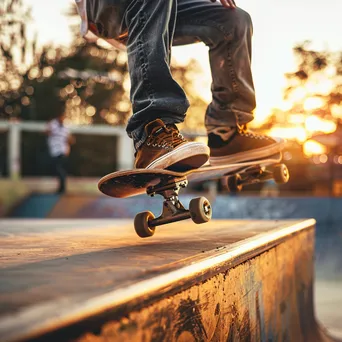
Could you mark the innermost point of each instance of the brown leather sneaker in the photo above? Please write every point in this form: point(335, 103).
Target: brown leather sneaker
point(166, 148)
point(237, 144)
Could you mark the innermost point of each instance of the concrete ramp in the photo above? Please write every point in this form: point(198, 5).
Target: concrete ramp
point(35, 206)
point(93, 280)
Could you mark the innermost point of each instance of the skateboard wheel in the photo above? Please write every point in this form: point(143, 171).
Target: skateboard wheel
point(234, 183)
point(200, 210)
point(141, 224)
point(281, 174)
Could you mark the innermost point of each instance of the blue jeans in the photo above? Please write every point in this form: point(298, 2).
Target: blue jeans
point(59, 165)
point(153, 27)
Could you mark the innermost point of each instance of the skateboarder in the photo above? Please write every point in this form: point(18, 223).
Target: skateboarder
point(149, 28)
point(59, 141)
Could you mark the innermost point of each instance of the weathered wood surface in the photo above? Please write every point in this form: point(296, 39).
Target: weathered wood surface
point(62, 263)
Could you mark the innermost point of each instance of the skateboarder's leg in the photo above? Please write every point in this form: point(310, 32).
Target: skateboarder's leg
point(154, 93)
point(61, 173)
point(227, 33)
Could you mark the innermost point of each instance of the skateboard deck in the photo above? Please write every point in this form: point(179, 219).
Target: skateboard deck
point(122, 184)
point(167, 183)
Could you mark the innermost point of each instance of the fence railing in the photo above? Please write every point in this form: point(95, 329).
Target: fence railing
point(125, 150)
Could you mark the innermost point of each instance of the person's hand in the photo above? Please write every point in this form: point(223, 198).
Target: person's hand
point(227, 3)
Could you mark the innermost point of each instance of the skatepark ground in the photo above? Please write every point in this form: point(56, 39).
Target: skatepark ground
point(281, 279)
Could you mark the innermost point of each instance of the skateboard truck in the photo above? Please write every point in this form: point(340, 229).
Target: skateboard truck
point(173, 210)
point(279, 173)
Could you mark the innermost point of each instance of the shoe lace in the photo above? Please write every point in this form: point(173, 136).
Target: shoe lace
point(243, 131)
point(166, 137)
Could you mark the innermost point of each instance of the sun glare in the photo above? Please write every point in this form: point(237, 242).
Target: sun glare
point(313, 103)
point(292, 133)
point(296, 119)
point(315, 124)
point(285, 105)
point(312, 148)
point(336, 111)
point(319, 85)
point(298, 94)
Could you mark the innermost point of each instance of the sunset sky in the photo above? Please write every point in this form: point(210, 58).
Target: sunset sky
point(278, 26)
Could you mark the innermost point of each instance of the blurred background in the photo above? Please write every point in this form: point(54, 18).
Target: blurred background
point(46, 69)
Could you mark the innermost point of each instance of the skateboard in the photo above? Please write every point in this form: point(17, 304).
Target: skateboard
point(123, 184)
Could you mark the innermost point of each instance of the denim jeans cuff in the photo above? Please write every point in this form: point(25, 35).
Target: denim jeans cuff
point(232, 118)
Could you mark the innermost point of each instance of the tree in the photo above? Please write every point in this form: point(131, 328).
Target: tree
point(90, 80)
point(14, 51)
point(315, 88)
point(34, 85)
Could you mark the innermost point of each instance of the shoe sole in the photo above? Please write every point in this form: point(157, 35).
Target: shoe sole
point(256, 154)
point(191, 155)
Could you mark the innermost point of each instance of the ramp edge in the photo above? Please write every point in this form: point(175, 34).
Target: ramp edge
point(54, 315)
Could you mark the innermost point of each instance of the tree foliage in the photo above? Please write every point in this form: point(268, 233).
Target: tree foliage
point(14, 51)
point(318, 78)
point(87, 78)
point(91, 81)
